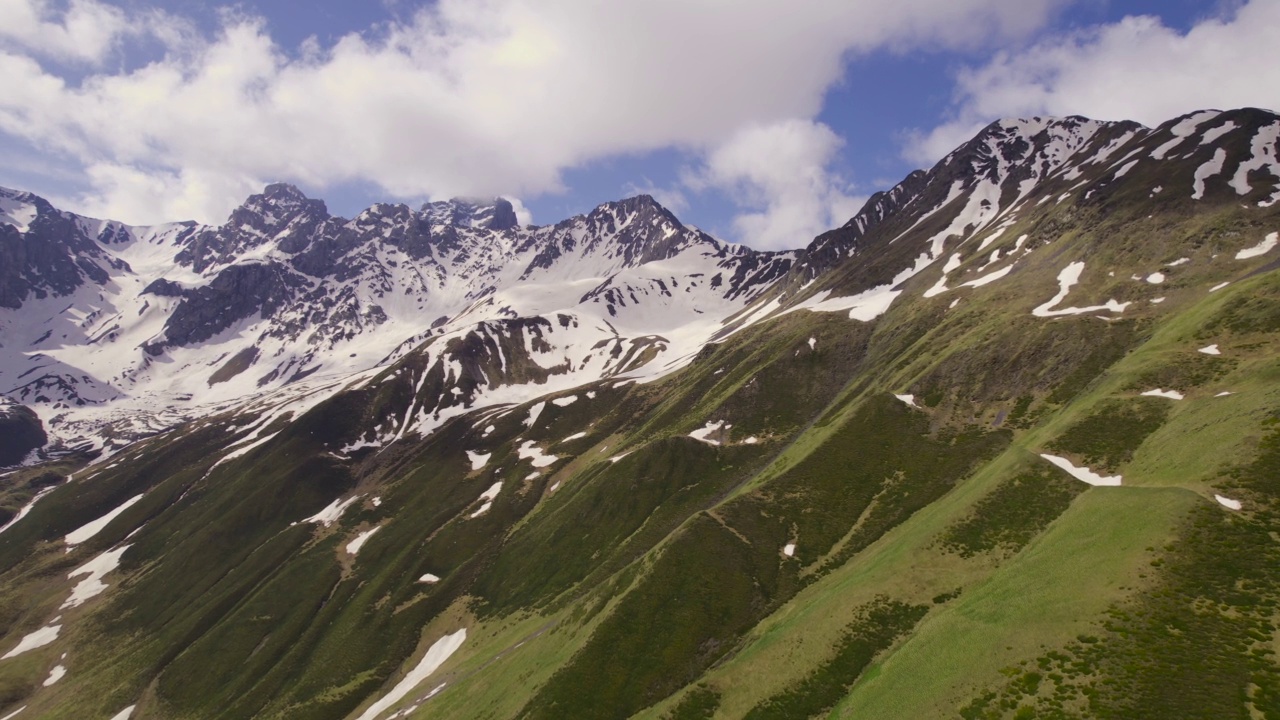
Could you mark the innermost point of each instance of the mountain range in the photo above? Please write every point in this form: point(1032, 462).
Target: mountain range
point(1002, 445)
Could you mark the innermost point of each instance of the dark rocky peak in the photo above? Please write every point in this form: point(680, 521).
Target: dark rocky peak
point(829, 248)
point(887, 202)
point(280, 213)
point(275, 208)
point(641, 228)
point(22, 210)
point(1020, 149)
point(486, 213)
point(383, 214)
point(1014, 155)
point(630, 232)
point(44, 251)
point(637, 210)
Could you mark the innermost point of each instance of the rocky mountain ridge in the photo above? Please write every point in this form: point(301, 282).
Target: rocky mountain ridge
point(287, 287)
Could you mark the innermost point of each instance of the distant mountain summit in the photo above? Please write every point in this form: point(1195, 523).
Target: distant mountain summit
point(106, 314)
point(489, 214)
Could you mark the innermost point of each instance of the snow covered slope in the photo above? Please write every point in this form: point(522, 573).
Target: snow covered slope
point(965, 213)
point(123, 331)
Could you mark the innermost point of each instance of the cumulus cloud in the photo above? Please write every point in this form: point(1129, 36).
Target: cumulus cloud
point(781, 169)
point(463, 97)
point(672, 198)
point(82, 31)
point(1135, 69)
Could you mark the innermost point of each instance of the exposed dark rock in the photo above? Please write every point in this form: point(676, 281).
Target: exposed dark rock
point(163, 288)
point(20, 432)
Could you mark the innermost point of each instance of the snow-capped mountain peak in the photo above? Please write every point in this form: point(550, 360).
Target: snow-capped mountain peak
point(488, 213)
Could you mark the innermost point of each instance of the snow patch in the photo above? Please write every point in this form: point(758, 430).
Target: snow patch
point(436, 655)
point(1214, 133)
point(535, 454)
point(1224, 393)
point(564, 401)
point(1170, 394)
point(488, 496)
point(1069, 276)
point(1155, 278)
point(868, 304)
point(813, 343)
point(429, 579)
point(124, 714)
point(534, 412)
point(940, 287)
point(1206, 171)
point(88, 530)
point(26, 509)
point(789, 550)
point(332, 512)
point(17, 213)
point(353, 547)
point(1082, 474)
point(908, 399)
point(703, 432)
point(95, 569)
point(478, 460)
point(59, 671)
point(1261, 248)
point(1210, 349)
point(31, 641)
point(1263, 147)
point(1227, 502)
point(575, 436)
point(1219, 286)
point(987, 279)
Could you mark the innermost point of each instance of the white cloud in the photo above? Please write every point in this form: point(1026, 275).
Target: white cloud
point(81, 31)
point(466, 97)
point(1135, 69)
point(778, 174)
point(672, 198)
point(523, 216)
point(84, 31)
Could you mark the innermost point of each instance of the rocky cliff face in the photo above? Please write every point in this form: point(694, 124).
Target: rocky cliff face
point(20, 432)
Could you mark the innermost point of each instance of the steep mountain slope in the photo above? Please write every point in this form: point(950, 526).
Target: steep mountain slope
point(1004, 445)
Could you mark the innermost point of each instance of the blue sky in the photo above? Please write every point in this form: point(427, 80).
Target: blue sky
point(757, 124)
